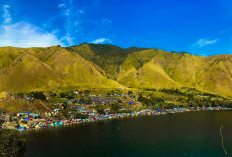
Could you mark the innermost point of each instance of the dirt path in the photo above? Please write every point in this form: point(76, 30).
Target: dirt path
point(43, 104)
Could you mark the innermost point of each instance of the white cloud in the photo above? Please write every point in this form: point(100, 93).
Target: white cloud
point(61, 5)
point(106, 21)
point(205, 42)
point(6, 14)
point(101, 40)
point(23, 34)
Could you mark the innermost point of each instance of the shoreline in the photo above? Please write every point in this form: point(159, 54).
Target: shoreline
point(102, 117)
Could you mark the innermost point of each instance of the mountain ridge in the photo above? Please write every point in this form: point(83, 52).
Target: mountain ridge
point(109, 66)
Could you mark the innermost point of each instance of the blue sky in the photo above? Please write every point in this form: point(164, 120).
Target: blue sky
point(202, 27)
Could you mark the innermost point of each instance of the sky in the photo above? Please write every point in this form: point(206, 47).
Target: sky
point(200, 27)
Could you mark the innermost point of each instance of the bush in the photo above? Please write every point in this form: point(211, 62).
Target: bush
point(80, 116)
point(119, 111)
point(62, 95)
point(38, 95)
point(100, 111)
point(100, 108)
point(85, 100)
point(169, 106)
point(11, 143)
point(52, 94)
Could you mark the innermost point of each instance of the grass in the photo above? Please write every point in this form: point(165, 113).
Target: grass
point(92, 66)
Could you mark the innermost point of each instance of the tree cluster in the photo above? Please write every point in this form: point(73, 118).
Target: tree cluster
point(12, 144)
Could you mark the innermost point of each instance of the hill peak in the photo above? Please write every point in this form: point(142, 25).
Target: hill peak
point(109, 66)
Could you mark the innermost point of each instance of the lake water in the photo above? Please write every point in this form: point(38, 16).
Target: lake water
point(181, 134)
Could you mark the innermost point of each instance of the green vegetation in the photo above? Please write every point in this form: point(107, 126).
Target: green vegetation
point(107, 67)
point(100, 109)
point(184, 97)
point(37, 95)
point(11, 143)
point(107, 57)
point(80, 116)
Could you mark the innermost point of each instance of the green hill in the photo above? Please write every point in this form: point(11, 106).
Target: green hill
point(49, 68)
point(107, 66)
point(106, 56)
point(27, 73)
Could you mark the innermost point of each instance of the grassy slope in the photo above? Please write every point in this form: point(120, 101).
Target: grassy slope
point(141, 71)
point(30, 69)
point(27, 73)
point(8, 55)
point(159, 69)
point(13, 105)
point(182, 68)
point(153, 75)
point(76, 71)
point(216, 74)
point(89, 65)
point(107, 57)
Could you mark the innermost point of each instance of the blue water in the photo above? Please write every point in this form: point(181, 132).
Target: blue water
point(174, 135)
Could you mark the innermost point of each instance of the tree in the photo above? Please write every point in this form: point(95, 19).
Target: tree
point(100, 109)
point(130, 92)
point(86, 92)
point(52, 94)
point(115, 106)
point(169, 106)
point(38, 95)
point(11, 143)
point(80, 116)
point(62, 95)
point(85, 99)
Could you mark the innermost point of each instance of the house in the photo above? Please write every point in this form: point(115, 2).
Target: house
point(31, 115)
point(35, 116)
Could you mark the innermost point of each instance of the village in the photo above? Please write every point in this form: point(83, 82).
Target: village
point(83, 109)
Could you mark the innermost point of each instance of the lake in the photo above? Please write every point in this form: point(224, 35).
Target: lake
point(180, 134)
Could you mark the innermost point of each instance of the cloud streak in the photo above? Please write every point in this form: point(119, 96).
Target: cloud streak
point(62, 5)
point(101, 41)
point(6, 14)
point(205, 42)
point(67, 9)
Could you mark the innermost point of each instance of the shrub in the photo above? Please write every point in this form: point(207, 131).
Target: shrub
point(11, 143)
point(38, 95)
point(80, 116)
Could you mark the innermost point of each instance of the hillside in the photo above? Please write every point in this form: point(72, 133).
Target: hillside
point(49, 68)
point(108, 57)
point(89, 66)
point(27, 72)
